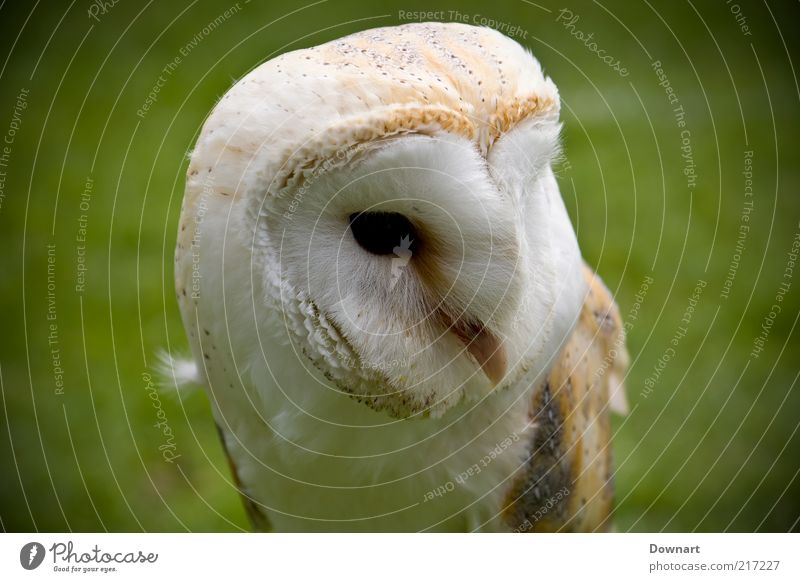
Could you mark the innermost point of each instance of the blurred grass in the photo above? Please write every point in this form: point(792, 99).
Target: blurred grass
point(713, 447)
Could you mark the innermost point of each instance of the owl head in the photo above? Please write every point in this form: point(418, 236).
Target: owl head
point(391, 198)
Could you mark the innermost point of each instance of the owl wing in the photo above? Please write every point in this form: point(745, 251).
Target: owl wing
point(566, 484)
point(255, 514)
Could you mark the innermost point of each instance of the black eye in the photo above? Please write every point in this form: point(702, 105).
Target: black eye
point(381, 233)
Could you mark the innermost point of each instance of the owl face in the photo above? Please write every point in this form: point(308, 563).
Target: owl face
point(432, 271)
point(405, 231)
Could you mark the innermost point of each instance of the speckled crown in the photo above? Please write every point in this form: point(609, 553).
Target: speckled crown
point(302, 107)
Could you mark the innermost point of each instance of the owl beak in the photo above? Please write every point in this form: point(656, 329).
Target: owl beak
point(485, 347)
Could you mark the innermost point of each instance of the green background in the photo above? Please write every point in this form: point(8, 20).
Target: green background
point(713, 447)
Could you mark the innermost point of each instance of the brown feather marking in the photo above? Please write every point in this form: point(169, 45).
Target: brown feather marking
point(569, 487)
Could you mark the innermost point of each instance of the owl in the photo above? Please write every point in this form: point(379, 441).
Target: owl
point(384, 294)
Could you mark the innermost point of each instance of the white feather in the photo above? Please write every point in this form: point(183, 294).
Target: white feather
point(177, 373)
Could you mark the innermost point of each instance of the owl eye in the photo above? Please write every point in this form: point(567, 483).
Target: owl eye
point(383, 233)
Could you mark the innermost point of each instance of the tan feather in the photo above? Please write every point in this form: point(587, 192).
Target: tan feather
point(567, 482)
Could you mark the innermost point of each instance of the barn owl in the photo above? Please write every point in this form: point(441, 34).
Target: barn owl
point(385, 297)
